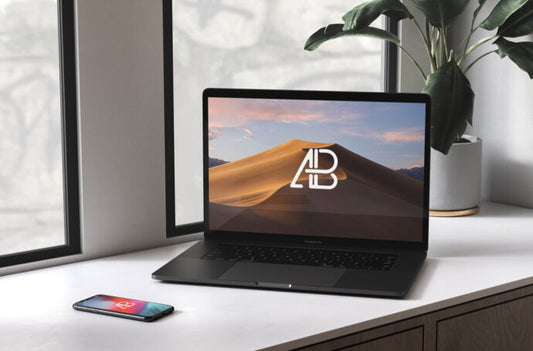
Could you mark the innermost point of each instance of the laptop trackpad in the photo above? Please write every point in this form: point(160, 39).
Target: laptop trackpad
point(283, 274)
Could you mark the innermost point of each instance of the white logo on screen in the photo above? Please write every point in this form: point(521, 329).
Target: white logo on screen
point(125, 304)
point(311, 167)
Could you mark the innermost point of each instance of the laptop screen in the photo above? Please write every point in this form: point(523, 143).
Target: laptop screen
point(328, 165)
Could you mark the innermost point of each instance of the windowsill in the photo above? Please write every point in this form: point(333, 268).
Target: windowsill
point(469, 258)
point(85, 256)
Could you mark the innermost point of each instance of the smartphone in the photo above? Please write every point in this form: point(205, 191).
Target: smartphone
point(121, 307)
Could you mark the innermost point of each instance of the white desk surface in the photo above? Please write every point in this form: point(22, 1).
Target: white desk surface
point(469, 257)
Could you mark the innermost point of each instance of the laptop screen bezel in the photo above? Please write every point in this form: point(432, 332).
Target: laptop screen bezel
point(317, 95)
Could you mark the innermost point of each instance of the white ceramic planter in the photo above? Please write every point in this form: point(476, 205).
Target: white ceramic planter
point(455, 179)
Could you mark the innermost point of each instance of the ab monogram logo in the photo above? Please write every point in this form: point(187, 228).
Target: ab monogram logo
point(311, 167)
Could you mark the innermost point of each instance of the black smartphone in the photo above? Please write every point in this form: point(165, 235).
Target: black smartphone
point(121, 307)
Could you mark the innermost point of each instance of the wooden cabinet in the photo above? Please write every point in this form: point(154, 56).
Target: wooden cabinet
point(375, 340)
point(508, 326)
point(410, 340)
point(501, 322)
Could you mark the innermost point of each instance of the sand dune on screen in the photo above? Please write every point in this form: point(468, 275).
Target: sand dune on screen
point(254, 179)
point(370, 200)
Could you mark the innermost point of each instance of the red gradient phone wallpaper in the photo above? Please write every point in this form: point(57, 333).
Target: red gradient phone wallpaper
point(124, 305)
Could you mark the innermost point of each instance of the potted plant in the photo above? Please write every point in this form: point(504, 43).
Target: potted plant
point(451, 94)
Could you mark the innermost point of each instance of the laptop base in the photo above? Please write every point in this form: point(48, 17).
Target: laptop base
point(190, 268)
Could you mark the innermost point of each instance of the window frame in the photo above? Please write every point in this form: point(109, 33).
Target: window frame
point(69, 133)
point(389, 84)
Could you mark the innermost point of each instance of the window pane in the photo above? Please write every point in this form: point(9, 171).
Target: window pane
point(254, 44)
point(31, 179)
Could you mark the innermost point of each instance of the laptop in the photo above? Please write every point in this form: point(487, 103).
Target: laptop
point(311, 191)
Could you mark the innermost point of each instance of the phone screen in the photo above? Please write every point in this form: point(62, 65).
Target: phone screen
point(148, 310)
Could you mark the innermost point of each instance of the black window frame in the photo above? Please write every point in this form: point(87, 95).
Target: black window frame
point(390, 83)
point(69, 132)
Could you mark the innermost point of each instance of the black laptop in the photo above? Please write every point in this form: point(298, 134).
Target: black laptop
point(311, 191)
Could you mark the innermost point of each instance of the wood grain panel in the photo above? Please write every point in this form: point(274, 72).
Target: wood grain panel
point(501, 327)
point(410, 340)
point(503, 321)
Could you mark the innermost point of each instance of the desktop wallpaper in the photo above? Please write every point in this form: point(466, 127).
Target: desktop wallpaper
point(346, 169)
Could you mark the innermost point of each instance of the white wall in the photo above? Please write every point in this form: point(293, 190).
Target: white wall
point(121, 121)
point(503, 114)
point(122, 117)
point(503, 118)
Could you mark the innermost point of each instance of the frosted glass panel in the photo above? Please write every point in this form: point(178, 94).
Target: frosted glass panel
point(31, 183)
point(254, 44)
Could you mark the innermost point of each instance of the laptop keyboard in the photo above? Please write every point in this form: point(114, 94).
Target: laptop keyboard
point(302, 256)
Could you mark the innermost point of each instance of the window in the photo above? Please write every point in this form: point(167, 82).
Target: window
point(39, 201)
point(249, 44)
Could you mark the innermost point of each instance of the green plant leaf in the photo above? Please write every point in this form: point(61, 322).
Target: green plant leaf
point(441, 12)
point(519, 23)
point(519, 53)
point(335, 31)
point(363, 15)
point(452, 104)
point(501, 13)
